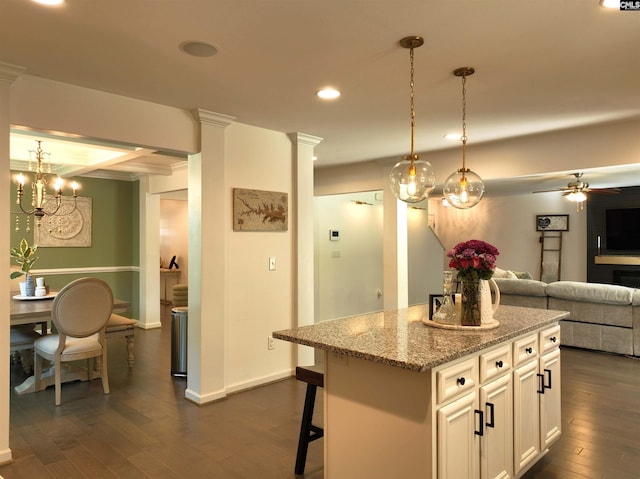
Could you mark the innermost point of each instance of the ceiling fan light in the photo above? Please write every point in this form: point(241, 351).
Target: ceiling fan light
point(463, 189)
point(577, 196)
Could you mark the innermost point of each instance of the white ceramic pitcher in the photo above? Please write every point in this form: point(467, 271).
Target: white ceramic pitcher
point(487, 307)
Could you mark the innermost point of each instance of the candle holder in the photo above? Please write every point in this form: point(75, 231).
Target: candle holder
point(446, 313)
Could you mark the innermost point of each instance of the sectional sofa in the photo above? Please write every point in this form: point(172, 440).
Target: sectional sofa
point(603, 317)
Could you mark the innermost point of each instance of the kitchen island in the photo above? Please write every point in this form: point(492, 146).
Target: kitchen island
point(407, 400)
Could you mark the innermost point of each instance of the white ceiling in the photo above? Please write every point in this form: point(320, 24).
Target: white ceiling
point(540, 65)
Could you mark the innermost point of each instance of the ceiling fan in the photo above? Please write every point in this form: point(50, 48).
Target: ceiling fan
point(577, 190)
point(578, 186)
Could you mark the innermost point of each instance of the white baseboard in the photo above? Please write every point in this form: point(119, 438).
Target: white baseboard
point(261, 381)
point(206, 398)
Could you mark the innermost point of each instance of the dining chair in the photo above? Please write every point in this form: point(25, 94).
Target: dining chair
point(79, 313)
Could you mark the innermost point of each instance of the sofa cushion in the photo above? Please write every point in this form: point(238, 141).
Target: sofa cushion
point(529, 287)
point(504, 273)
point(591, 292)
point(635, 300)
point(595, 313)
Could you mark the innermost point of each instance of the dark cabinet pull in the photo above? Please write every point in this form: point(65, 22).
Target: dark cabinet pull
point(553, 339)
point(543, 384)
point(499, 364)
point(541, 390)
point(481, 423)
point(461, 381)
point(491, 421)
point(529, 350)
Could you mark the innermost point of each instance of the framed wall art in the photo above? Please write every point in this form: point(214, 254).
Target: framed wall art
point(552, 222)
point(69, 227)
point(257, 210)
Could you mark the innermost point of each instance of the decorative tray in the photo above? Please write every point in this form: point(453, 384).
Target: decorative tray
point(19, 297)
point(492, 325)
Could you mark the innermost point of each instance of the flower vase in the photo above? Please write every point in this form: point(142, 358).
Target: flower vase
point(30, 286)
point(470, 303)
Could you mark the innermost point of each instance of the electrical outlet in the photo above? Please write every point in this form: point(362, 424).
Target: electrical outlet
point(271, 344)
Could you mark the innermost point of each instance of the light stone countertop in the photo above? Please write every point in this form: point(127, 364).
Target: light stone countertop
point(399, 338)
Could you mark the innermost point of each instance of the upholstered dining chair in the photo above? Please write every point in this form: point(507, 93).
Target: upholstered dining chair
point(79, 313)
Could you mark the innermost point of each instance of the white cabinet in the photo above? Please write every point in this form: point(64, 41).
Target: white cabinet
point(458, 443)
point(526, 415)
point(474, 437)
point(496, 444)
point(536, 396)
point(550, 408)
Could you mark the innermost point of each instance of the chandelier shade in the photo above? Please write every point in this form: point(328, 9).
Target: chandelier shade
point(464, 188)
point(412, 179)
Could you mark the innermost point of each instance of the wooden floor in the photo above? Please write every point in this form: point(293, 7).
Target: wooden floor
point(146, 429)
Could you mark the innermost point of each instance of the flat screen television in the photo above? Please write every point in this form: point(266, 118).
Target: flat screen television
point(623, 229)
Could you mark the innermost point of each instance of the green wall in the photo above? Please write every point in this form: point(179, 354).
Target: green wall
point(115, 239)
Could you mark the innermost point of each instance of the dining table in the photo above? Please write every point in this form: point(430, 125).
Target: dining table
point(36, 310)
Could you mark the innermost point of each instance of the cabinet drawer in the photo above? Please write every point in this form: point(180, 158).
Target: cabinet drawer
point(457, 379)
point(494, 363)
point(525, 349)
point(549, 338)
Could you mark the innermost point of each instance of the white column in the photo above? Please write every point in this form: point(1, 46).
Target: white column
point(395, 261)
point(8, 74)
point(149, 281)
point(303, 250)
point(209, 225)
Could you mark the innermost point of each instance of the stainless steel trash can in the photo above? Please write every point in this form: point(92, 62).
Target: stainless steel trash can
point(179, 319)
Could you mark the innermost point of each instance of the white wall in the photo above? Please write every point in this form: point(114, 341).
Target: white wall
point(509, 223)
point(348, 272)
point(259, 301)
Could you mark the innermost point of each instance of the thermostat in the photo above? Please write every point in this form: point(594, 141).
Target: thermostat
point(334, 235)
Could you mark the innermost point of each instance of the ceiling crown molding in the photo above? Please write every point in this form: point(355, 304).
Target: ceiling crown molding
point(10, 73)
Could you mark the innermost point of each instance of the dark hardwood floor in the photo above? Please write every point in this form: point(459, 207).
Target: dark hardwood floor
point(146, 429)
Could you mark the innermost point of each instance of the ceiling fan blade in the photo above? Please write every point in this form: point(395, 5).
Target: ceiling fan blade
point(550, 191)
point(605, 191)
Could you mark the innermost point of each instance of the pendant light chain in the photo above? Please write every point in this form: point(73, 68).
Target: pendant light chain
point(413, 110)
point(464, 121)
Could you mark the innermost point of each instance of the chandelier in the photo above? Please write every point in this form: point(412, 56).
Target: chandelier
point(42, 204)
point(412, 179)
point(464, 188)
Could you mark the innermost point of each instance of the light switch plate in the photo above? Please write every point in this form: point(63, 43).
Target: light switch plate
point(272, 263)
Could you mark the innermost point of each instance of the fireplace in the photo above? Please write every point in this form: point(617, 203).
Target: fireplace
point(626, 278)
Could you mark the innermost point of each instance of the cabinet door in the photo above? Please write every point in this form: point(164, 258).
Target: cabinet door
point(526, 415)
point(550, 414)
point(496, 445)
point(458, 443)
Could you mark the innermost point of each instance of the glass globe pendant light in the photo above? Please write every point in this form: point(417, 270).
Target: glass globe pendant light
point(412, 179)
point(464, 188)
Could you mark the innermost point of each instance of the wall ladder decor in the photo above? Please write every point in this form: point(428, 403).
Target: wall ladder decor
point(550, 256)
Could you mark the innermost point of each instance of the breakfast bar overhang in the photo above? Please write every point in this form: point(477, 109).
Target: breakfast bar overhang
point(402, 399)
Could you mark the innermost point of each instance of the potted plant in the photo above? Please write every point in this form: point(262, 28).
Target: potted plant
point(25, 256)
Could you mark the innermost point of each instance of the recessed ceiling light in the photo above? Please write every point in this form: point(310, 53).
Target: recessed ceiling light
point(49, 2)
point(198, 48)
point(328, 93)
point(610, 4)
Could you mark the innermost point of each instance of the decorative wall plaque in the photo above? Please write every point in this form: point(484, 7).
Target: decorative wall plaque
point(552, 222)
point(68, 227)
point(256, 210)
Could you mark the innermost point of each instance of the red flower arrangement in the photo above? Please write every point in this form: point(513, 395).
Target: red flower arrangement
point(473, 259)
